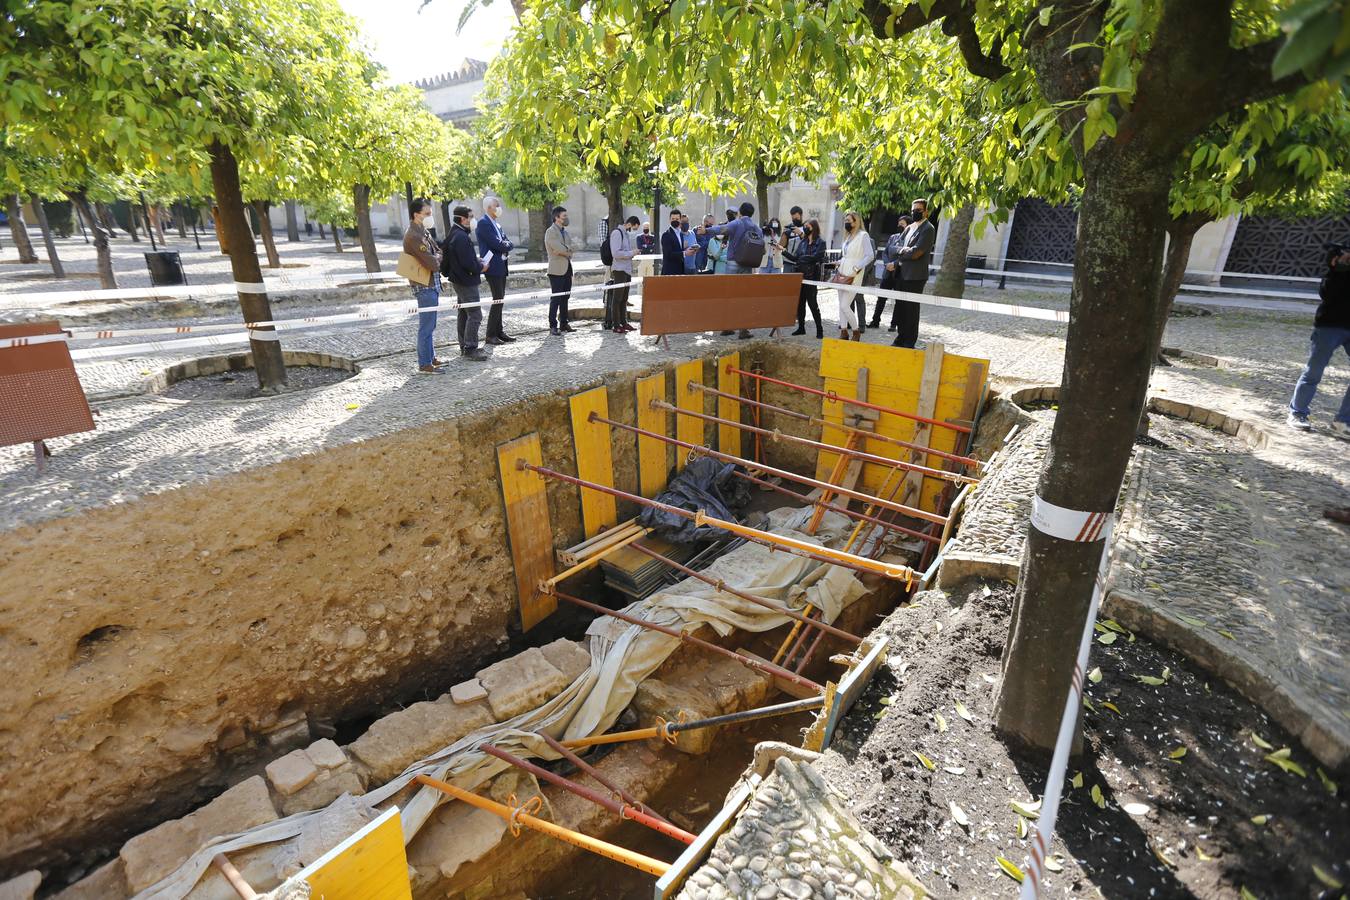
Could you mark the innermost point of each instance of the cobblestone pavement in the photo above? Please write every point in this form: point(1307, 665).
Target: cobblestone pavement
point(1265, 505)
point(796, 839)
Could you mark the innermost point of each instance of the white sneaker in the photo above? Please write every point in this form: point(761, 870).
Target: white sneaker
point(1341, 429)
point(1298, 421)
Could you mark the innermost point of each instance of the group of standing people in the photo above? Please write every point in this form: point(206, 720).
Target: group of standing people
point(905, 260)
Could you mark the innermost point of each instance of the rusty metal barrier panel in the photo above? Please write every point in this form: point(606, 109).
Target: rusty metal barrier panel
point(686, 304)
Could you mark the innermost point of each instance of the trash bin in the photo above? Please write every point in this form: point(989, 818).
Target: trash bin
point(166, 268)
point(977, 262)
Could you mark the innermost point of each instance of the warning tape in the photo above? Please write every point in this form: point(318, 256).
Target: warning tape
point(1002, 309)
point(1185, 288)
point(1209, 273)
point(1080, 527)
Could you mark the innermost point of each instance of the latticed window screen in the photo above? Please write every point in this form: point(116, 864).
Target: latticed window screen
point(1265, 245)
point(1042, 233)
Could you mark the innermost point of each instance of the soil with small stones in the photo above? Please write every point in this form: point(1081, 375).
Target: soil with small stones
point(244, 383)
point(1194, 826)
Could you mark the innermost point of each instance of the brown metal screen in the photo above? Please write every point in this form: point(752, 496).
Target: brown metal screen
point(40, 394)
point(686, 304)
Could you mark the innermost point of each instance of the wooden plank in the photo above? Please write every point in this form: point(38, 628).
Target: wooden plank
point(670, 883)
point(528, 531)
point(370, 865)
point(687, 428)
point(729, 437)
point(595, 459)
point(653, 465)
point(677, 304)
point(923, 432)
point(851, 687)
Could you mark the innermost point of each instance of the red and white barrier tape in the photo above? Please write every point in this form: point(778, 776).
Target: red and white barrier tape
point(1080, 527)
point(1002, 309)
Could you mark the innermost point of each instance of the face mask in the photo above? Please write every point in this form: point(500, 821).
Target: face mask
point(684, 226)
point(848, 226)
point(917, 214)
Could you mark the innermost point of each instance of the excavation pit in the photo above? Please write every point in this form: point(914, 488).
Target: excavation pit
point(258, 646)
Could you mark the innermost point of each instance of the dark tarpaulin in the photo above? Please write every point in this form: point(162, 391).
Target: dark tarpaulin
point(704, 484)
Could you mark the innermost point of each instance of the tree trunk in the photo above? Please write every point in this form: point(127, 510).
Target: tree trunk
point(180, 219)
point(20, 231)
point(337, 237)
point(260, 208)
point(1180, 235)
point(157, 220)
point(102, 251)
point(951, 278)
point(364, 233)
point(292, 223)
point(132, 231)
point(231, 219)
point(614, 201)
point(539, 221)
point(762, 182)
point(221, 237)
point(1109, 347)
point(322, 235)
point(106, 217)
point(48, 241)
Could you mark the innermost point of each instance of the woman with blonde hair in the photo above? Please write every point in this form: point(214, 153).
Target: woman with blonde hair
point(856, 255)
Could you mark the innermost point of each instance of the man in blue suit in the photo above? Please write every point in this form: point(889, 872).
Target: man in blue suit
point(491, 239)
point(672, 247)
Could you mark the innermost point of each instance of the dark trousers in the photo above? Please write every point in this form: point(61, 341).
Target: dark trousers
point(557, 306)
point(616, 300)
point(496, 284)
point(469, 319)
point(888, 282)
point(807, 300)
point(906, 315)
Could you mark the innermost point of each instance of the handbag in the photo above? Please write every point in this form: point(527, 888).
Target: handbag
point(411, 268)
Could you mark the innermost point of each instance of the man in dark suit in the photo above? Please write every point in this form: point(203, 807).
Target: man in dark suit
point(673, 251)
point(462, 265)
point(491, 239)
point(916, 249)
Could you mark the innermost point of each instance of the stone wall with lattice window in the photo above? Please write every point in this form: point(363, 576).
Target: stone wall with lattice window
point(1265, 245)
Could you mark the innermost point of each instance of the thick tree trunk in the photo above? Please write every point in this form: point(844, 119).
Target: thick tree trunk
point(19, 230)
point(951, 278)
point(102, 252)
point(260, 208)
point(106, 217)
point(762, 182)
point(222, 238)
point(364, 233)
point(232, 220)
point(1109, 347)
point(614, 198)
point(180, 211)
point(539, 221)
point(1180, 235)
point(292, 223)
point(337, 237)
point(47, 240)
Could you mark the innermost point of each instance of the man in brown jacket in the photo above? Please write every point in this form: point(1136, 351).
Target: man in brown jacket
point(418, 242)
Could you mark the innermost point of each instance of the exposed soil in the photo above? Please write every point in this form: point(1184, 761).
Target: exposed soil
point(244, 383)
point(1199, 831)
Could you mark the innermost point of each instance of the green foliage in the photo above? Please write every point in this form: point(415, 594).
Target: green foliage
point(1318, 42)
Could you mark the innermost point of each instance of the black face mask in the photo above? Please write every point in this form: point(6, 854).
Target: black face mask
point(848, 226)
point(917, 214)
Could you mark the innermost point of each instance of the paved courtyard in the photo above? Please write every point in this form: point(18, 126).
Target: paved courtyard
point(1235, 539)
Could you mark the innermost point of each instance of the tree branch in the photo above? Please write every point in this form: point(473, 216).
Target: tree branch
point(1247, 77)
point(962, 27)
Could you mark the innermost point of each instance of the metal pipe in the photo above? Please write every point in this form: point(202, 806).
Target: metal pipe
point(721, 585)
point(811, 551)
point(575, 838)
point(810, 652)
point(822, 447)
point(750, 715)
point(236, 880)
point(825, 423)
point(619, 737)
point(781, 473)
point(595, 773)
point(861, 517)
point(835, 398)
point(765, 667)
point(622, 810)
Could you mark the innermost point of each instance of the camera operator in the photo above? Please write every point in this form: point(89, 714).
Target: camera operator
point(1331, 329)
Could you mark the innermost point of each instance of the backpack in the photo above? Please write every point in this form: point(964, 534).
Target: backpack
point(606, 251)
point(750, 251)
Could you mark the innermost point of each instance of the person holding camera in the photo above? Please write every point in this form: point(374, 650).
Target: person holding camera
point(1331, 329)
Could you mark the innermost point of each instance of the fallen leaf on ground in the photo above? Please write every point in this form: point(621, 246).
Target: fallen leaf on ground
point(963, 712)
point(1010, 869)
point(1108, 638)
point(1077, 780)
point(1191, 620)
point(1052, 864)
point(1162, 856)
point(1151, 680)
point(1178, 753)
point(1095, 676)
point(1229, 635)
point(927, 763)
point(958, 814)
point(1327, 878)
point(1136, 809)
point(1260, 820)
point(1097, 797)
point(1031, 810)
point(1326, 781)
point(1021, 828)
point(353, 406)
point(954, 770)
point(941, 722)
point(1262, 742)
point(1201, 855)
point(1247, 895)
point(1281, 758)
point(1111, 706)
point(1114, 626)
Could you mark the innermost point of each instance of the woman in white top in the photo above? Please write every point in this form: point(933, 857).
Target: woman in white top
point(856, 255)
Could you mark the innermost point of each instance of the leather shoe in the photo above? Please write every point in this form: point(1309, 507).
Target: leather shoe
point(494, 341)
point(476, 355)
point(800, 330)
point(506, 339)
point(565, 327)
point(555, 332)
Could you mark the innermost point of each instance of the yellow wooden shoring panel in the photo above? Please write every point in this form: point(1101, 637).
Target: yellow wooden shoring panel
point(595, 460)
point(652, 465)
point(729, 437)
point(527, 528)
point(687, 428)
point(370, 865)
point(896, 373)
point(923, 432)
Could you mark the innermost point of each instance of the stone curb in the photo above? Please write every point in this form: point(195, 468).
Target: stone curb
point(1225, 659)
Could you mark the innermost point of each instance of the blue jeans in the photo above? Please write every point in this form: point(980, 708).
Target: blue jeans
point(426, 322)
point(735, 268)
point(1323, 343)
